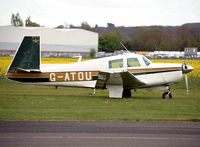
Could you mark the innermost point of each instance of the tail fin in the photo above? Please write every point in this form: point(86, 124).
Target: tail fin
point(27, 58)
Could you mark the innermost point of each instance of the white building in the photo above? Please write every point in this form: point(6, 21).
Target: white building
point(66, 41)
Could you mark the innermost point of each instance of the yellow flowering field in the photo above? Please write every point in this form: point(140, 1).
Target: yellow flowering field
point(5, 62)
point(194, 63)
point(60, 60)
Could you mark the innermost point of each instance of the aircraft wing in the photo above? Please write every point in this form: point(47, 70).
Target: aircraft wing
point(129, 80)
point(124, 78)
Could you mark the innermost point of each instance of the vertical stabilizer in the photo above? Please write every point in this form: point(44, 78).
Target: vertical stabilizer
point(28, 55)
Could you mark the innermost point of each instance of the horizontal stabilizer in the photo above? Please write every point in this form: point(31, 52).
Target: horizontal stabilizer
point(21, 70)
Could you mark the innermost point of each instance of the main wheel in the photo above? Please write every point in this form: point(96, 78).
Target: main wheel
point(167, 95)
point(126, 93)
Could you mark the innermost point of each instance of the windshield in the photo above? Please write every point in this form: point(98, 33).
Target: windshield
point(146, 61)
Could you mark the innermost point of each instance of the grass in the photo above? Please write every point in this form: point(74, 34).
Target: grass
point(27, 102)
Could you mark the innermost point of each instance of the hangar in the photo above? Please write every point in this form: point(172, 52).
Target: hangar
point(55, 42)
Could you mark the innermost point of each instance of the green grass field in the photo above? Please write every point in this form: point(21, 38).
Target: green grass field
point(28, 102)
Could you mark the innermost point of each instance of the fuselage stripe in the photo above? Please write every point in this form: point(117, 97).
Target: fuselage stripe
point(77, 76)
point(155, 72)
point(30, 80)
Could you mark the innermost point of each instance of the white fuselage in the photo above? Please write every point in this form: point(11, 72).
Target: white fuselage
point(80, 74)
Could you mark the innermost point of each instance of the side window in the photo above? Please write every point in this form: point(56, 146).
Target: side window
point(146, 61)
point(133, 62)
point(116, 63)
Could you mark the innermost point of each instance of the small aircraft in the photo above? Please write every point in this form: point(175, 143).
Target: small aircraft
point(119, 74)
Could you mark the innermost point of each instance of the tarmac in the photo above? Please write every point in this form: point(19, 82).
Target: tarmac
point(99, 133)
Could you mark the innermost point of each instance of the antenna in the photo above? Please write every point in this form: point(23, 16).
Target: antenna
point(124, 47)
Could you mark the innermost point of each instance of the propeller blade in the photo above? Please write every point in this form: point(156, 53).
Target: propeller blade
point(186, 82)
point(186, 69)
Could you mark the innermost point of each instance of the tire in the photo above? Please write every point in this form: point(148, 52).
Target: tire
point(167, 95)
point(126, 93)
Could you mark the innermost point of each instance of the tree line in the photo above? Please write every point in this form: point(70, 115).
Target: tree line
point(142, 38)
point(17, 21)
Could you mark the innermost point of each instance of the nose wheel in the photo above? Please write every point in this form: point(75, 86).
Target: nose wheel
point(167, 95)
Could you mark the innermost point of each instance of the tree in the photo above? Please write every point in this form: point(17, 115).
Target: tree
point(139, 39)
point(101, 43)
point(16, 20)
point(110, 25)
point(110, 42)
point(187, 37)
point(29, 23)
point(60, 27)
point(71, 26)
point(92, 53)
point(127, 44)
point(85, 25)
point(151, 40)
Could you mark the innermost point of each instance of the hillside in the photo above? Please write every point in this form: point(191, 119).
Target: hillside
point(128, 32)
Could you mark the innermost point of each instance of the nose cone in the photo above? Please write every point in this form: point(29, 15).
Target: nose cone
point(187, 68)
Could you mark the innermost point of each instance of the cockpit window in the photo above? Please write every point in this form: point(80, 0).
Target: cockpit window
point(133, 62)
point(146, 61)
point(118, 63)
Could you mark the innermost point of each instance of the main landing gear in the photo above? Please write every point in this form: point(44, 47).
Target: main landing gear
point(126, 93)
point(167, 95)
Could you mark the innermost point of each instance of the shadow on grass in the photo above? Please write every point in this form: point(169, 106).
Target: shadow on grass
point(194, 120)
point(145, 97)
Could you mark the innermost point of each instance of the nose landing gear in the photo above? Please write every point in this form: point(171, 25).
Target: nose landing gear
point(167, 95)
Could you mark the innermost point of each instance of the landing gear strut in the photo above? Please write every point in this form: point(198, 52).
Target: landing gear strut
point(167, 95)
point(94, 91)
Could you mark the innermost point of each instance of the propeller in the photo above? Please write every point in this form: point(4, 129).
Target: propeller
point(186, 69)
point(186, 77)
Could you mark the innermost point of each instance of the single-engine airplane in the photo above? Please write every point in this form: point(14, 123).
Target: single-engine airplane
point(119, 74)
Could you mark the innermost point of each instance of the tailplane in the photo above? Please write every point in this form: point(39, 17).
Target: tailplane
point(27, 58)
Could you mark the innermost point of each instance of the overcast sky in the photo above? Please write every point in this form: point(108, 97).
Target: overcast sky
point(51, 13)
